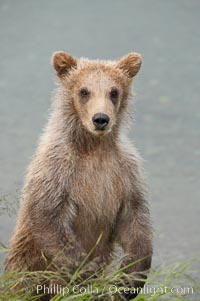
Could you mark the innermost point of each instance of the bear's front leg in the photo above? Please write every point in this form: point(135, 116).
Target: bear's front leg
point(134, 233)
point(43, 238)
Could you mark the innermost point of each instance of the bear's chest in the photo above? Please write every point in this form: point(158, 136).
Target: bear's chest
point(98, 188)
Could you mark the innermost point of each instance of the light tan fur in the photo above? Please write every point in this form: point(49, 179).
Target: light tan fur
point(84, 182)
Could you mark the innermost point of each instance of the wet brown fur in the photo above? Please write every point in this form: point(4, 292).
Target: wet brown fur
point(82, 183)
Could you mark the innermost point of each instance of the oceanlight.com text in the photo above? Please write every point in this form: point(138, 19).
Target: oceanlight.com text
point(112, 290)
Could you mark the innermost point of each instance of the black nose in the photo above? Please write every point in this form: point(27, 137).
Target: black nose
point(100, 120)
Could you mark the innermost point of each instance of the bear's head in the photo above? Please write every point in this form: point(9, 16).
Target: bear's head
point(97, 90)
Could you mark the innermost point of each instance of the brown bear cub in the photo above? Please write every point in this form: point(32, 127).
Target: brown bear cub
point(85, 180)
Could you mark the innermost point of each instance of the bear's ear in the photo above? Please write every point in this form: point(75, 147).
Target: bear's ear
point(63, 62)
point(130, 63)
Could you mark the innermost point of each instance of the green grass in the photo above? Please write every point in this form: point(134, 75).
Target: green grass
point(173, 283)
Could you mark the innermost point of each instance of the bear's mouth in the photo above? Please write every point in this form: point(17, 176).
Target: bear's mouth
point(101, 132)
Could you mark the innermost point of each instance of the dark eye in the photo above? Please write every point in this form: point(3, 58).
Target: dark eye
point(114, 94)
point(84, 92)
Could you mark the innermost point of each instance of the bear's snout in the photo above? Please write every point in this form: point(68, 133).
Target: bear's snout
point(100, 120)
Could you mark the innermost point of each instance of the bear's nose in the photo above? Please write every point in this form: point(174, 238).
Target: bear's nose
point(100, 121)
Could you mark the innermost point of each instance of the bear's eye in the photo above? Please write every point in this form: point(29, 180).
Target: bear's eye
point(114, 94)
point(84, 92)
